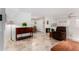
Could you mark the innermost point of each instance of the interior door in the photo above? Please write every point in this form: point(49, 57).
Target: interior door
point(40, 25)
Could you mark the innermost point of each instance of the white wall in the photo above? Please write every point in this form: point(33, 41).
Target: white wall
point(42, 22)
point(62, 21)
point(18, 15)
point(49, 22)
point(55, 21)
point(73, 29)
point(39, 24)
point(2, 11)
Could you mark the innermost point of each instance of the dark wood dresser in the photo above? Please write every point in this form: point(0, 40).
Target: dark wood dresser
point(23, 30)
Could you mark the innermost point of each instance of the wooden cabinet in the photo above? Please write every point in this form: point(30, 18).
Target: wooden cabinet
point(23, 31)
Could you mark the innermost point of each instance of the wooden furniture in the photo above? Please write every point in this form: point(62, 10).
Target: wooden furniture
point(51, 33)
point(34, 29)
point(24, 30)
point(60, 33)
point(66, 45)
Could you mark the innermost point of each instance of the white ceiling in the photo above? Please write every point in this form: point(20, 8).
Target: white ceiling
point(50, 11)
point(47, 11)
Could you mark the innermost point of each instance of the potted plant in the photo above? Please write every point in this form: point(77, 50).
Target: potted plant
point(24, 24)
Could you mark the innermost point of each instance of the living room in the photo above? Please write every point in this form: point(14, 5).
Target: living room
point(41, 24)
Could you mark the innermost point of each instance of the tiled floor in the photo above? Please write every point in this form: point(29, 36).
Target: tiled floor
point(39, 42)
